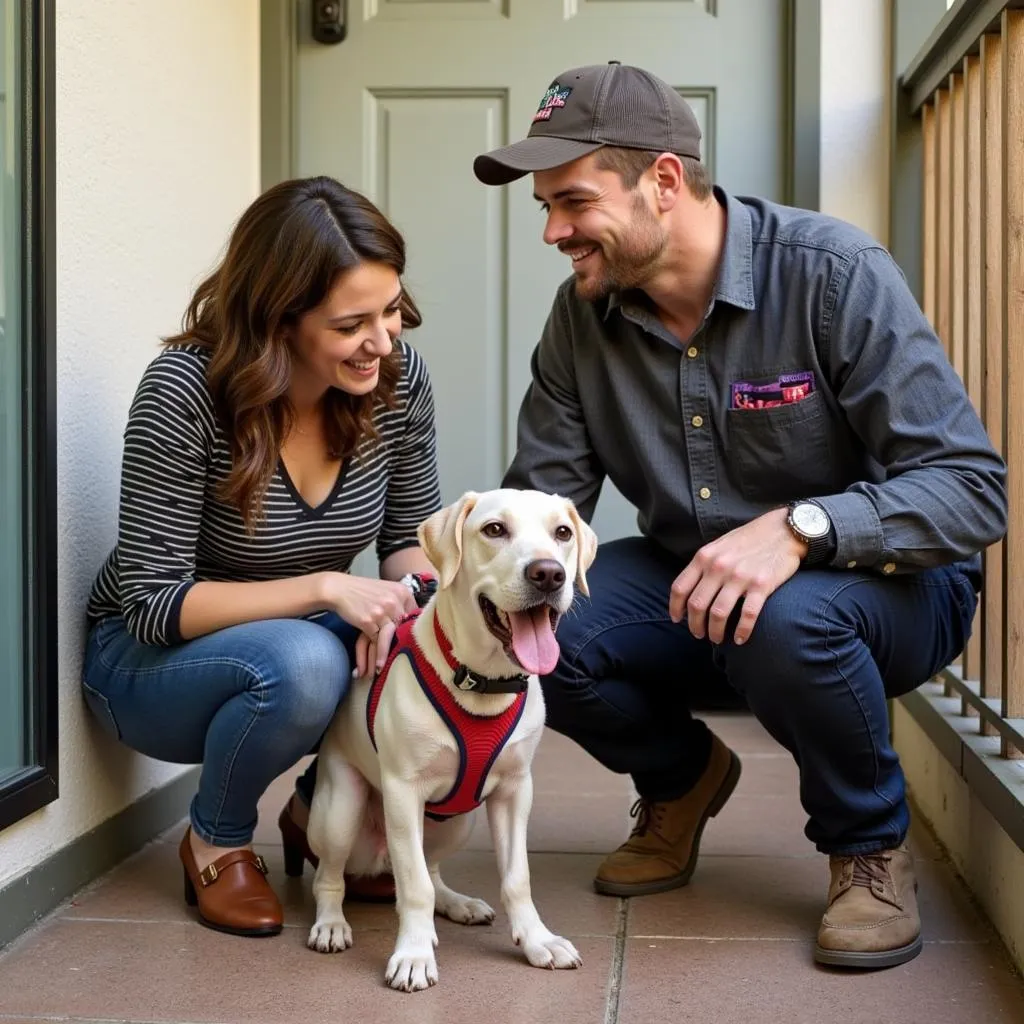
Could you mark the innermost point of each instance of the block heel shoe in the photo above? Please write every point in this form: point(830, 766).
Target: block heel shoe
point(232, 894)
point(360, 888)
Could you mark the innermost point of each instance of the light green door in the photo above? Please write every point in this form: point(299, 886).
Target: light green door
point(419, 87)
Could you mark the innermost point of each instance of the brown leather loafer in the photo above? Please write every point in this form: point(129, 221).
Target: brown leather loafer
point(360, 888)
point(232, 894)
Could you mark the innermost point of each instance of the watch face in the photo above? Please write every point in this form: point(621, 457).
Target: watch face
point(810, 520)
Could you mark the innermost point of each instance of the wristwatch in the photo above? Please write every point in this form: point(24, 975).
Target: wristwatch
point(811, 524)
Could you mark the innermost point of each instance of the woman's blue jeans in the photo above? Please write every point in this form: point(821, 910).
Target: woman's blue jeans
point(246, 702)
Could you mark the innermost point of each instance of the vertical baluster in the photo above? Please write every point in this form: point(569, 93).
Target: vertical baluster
point(929, 212)
point(943, 126)
point(1013, 290)
point(944, 223)
point(974, 367)
point(957, 151)
point(991, 260)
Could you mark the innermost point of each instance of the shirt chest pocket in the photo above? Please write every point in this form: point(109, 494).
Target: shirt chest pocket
point(780, 454)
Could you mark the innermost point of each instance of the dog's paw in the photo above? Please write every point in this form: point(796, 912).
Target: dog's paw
point(330, 935)
point(550, 951)
point(465, 909)
point(411, 970)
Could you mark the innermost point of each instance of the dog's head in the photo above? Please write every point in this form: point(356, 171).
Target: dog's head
point(513, 556)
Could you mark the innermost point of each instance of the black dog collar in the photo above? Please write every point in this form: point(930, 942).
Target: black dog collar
point(466, 679)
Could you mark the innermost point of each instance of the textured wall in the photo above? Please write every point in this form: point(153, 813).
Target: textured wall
point(157, 154)
point(855, 113)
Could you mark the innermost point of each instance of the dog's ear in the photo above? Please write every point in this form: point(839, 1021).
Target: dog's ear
point(586, 547)
point(440, 536)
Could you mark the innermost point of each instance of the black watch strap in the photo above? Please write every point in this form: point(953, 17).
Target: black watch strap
point(822, 550)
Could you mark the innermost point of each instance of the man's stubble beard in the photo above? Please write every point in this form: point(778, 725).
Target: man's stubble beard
point(635, 259)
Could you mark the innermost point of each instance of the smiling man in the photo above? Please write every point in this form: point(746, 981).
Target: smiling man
point(813, 489)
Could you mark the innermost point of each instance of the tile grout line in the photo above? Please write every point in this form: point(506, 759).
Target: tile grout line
point(188, 923)
point(611, 1010)
point(783, 938)
point(81, 1020)
point(619, 938)
point(164, 921)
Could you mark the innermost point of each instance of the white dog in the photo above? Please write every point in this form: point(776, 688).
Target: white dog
point(506, 563)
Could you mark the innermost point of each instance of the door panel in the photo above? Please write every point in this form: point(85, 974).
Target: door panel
point(458, 287)
point(415, 10)
point(634, 8)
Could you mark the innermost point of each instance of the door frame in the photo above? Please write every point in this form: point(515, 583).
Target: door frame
point(281, 22)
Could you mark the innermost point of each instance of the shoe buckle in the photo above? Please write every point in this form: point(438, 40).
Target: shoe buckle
point(208, 875)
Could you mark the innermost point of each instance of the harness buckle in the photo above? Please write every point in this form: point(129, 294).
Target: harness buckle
point(464, 679)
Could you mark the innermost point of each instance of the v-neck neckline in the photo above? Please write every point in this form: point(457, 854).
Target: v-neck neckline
point(313, 511)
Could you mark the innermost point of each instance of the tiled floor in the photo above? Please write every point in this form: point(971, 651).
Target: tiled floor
point(734, 946)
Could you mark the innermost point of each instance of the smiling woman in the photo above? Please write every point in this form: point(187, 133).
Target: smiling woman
point(345, 339)
point(286, 428)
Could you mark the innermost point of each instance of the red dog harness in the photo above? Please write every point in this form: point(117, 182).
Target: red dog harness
point(480, 738)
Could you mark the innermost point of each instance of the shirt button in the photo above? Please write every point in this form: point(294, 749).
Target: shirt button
point(705, 493)
point(889, 567)
point(852, 564)
point(692, 351)
point(698, 421)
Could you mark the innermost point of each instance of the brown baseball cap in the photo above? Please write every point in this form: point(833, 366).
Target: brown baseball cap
point(598, 105)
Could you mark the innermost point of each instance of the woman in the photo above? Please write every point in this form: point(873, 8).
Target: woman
point(282, 431)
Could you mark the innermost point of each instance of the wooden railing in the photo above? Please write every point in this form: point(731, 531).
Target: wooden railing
point(967, 88)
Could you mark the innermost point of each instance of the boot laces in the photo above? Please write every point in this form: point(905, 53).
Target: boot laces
point(869, 868)
point(648, 816)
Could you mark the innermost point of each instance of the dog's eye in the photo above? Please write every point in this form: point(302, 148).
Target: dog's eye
point(495, 530)
point(563, 533)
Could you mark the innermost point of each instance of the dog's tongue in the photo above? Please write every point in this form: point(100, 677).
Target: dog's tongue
point(533, 640)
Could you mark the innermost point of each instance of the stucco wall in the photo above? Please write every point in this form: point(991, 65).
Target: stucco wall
point(157, 154)
point(855, 113)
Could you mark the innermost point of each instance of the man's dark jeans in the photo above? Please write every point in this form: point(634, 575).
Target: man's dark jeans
point(828, 649)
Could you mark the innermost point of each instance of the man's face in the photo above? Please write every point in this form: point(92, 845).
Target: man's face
point(612, 236)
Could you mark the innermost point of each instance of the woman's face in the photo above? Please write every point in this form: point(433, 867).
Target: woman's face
point(341, 342)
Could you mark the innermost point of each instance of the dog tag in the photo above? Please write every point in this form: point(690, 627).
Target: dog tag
point(462, 679)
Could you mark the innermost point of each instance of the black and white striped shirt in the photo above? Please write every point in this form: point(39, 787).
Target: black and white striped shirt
point(174, 532)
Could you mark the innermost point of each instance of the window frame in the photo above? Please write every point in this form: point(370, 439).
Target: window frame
point(37, 785)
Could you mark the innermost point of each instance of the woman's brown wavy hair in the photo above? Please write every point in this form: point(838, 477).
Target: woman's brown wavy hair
point(283, 258)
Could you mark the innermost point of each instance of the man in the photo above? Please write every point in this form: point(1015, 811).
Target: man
point(813, 490)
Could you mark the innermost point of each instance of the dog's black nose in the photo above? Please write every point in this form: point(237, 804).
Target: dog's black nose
point(545, 574)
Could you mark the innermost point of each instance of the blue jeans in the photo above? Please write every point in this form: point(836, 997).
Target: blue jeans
point(245, 702)
point(828, 649)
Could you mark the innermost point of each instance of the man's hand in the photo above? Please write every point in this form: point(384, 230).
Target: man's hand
point(750, 562)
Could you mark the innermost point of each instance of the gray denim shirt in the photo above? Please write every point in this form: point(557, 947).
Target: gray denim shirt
point(884, 435)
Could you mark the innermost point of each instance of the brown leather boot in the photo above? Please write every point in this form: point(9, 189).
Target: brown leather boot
point(661, 852)
point(232, 894)
point(872, 918)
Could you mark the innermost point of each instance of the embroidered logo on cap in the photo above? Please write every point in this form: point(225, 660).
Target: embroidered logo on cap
point(554, 98)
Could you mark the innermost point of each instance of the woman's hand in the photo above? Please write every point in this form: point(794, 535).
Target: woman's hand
point(375, 607)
